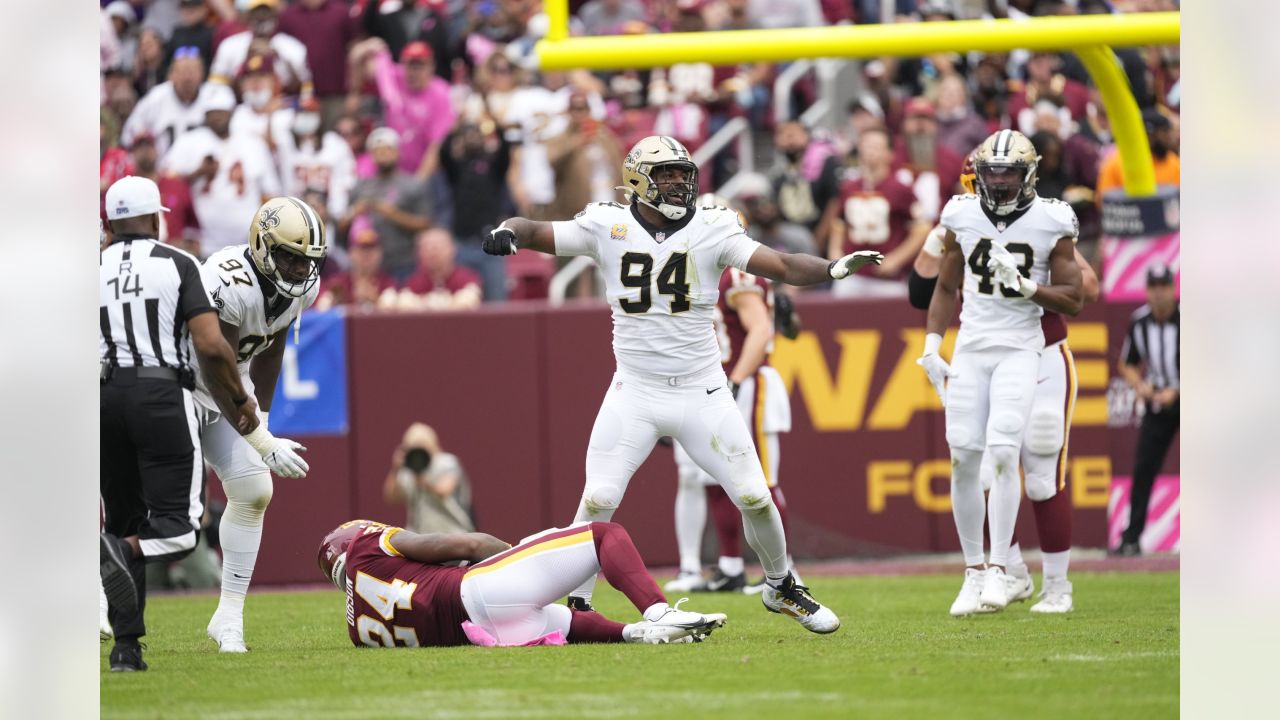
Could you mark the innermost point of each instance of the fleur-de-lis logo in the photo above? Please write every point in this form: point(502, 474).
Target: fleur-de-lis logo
point(269, 218)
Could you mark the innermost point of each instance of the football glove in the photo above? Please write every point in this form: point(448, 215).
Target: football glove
point(785, 320)
point(852, 263)
point(935, 367)
point(1005, 269)
point(501, 241)
point(280, 454)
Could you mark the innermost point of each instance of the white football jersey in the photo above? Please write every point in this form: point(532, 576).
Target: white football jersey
point(225, 204)
point(662, 284)
point(329, 168)
point(991, 315)
point(241, 300)
point(164, 116)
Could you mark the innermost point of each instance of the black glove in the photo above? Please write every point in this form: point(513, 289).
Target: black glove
point(501, 241)
point(733, 388)
point(785, 320)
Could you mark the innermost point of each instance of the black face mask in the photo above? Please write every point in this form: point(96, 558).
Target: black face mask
point(794, 155)
point(417, 459)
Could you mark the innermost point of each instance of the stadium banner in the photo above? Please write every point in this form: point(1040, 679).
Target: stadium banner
point(513, 391)
point(311, 393)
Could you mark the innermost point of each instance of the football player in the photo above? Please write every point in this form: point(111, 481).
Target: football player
point(662, 258)
point(259, 289)
point(1044, 446)
point(406, 589)
point(989, 389)
point(744, 323)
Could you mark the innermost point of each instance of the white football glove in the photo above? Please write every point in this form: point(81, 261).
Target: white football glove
point(1005, 269)
point(852, 263)
point(280, 454)
point(935, 367)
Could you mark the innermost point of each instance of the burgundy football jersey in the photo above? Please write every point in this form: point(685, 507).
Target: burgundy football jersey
point(876, 219)
point(729, 326)
point(396, 602)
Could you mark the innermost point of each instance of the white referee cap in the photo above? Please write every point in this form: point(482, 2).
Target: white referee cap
point(133, 196)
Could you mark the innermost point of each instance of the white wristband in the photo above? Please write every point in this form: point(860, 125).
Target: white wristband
point(1027, 287)
point(932, 343)
point(260, 439)
point(262, 418)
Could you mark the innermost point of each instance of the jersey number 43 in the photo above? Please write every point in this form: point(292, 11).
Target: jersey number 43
point(672, 280)
point(981, 255)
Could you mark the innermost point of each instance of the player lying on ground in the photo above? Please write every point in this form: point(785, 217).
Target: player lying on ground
point(402, 593)
point(662, 257)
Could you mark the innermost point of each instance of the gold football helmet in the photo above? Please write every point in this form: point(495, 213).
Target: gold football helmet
point(1005, 171)
point(644, 159)
point(287, 244)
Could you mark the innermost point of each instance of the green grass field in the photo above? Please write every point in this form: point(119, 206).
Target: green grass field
point(899, 655)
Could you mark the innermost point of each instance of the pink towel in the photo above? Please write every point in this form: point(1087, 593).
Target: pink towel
point(479, 636)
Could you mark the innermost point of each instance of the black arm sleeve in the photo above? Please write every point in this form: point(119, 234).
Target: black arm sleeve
point(920, 290)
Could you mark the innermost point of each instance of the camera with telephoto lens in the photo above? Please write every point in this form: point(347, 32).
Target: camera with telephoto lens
point(417, 459)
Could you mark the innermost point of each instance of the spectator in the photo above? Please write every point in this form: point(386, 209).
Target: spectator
point(1161, 138)
point(262, 112)
point(172, 108)
point(611, 17)
point(491, 90)
point(533, 115)
point(991, 90)
point(959, 127)
point(326, 28)
point(263, 35)
point(364, 284)
point(313, 161)
point(396, 201)
point(230, 175)
point(1150, 363)
point(150, 63)
point(922, 161)
point(766, 226)
point(400, 23)
point(876, 211)
point(415, 103)
point(475, 159)
point(803, 185)
point(123, 21)
point(193, 30)
point(889, 98)
point(113, 160)
point(864, 113)
point(430, 482)
point(1045, 82)
point(587, 160)
point(770, 14)
point(118, 94)
point(180, 226)
point(439, 283)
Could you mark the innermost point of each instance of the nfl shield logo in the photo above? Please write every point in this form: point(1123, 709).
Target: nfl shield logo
point(660, 237)
point(1000, 226)
point(618, 386)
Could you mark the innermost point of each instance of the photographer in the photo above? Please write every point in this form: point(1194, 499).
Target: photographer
point(430, 482)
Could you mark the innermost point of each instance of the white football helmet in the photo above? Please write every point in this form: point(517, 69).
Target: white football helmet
point(286, 231)
point(637, 175)
point(1005, 169)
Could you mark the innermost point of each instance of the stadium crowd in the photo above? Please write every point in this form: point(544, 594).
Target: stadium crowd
point(414, 127)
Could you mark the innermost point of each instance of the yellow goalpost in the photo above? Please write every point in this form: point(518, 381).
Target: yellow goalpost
point(1089, 36)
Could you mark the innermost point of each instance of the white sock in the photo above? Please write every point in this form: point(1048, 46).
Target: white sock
point(731, 565)
point(1015, 558)
point(691, 519)
point(655, 611)
point(764, 534)
point(968, 508)
point(240, 533)
point(1003, 501)
point(1055, 564)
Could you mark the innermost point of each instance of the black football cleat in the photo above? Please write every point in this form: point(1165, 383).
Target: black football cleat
point(127, 657)
point(117, 582)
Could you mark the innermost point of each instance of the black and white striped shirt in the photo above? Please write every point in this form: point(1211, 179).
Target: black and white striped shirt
point(1154, 343)
point(147, 291)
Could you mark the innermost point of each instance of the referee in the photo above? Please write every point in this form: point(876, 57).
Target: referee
point(1149, 363)
point(151, 297)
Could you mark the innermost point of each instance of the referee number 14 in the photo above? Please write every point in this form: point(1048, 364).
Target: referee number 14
point(121, 285)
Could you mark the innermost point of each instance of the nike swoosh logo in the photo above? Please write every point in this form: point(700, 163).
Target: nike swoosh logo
point(712, 390)
point(1041, 380)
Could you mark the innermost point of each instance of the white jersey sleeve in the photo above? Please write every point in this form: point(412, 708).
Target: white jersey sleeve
point(735, 248)
point(222, 271)
point(1062, 218)
point(581, 235)
point(953, 210)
